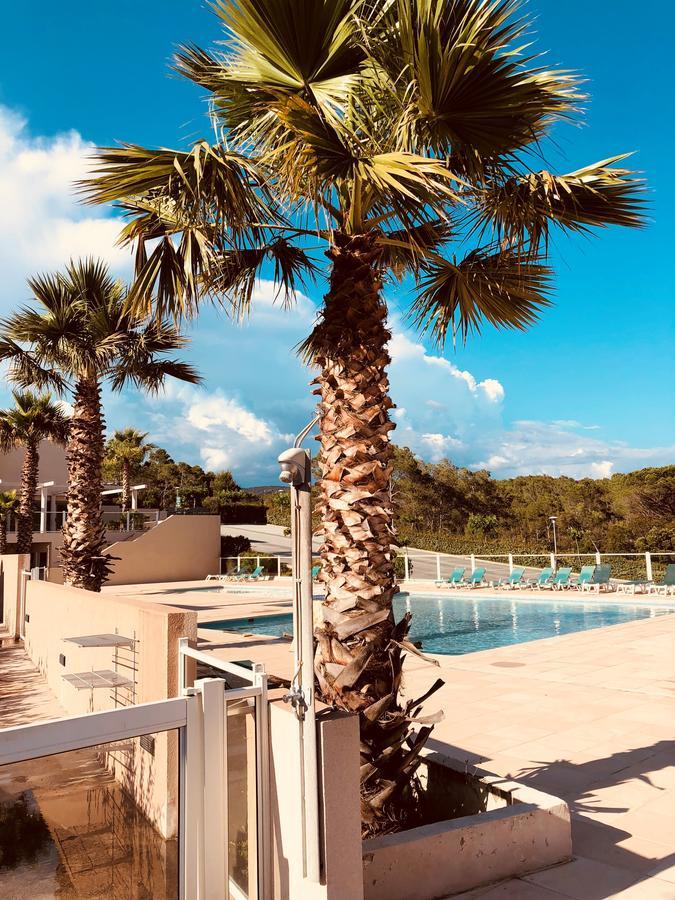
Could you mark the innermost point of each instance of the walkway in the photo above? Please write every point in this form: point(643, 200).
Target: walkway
point(589, 717)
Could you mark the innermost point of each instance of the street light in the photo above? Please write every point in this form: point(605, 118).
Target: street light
point(552, 520)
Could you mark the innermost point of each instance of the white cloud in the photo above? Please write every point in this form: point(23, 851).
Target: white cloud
point(42, 221)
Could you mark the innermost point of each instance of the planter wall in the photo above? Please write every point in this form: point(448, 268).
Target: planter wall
point(504, 830)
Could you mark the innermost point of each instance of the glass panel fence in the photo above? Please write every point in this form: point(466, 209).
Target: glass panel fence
point(98, 822)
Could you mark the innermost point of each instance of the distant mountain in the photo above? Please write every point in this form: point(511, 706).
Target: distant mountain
point(266, 489)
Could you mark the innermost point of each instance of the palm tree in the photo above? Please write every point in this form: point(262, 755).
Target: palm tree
point(126, 449)
point(33, 418)
point(8, 504)
point(398, 137)
point(81, 336)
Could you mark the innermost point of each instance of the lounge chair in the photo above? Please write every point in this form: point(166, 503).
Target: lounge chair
point(667, 584)
point(511, 581)
point(475, 579)
point(455, 577)
point(584, 576)
point(544, 579)
point(599, 580)
point(561, 579)
point(315, 572)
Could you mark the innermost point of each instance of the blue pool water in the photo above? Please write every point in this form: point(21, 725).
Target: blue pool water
point(465, 624)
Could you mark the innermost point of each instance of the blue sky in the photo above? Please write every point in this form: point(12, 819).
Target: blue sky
point(588, 391)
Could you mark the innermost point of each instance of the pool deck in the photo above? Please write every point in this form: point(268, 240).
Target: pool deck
point(589, 717)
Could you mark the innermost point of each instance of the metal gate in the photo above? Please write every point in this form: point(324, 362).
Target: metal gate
point(222, 770)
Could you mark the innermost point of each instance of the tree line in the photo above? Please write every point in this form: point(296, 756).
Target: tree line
point(444, 507)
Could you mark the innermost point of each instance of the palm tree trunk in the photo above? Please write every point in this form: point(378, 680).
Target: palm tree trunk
point(3, 533)
point(359, 646)
point(29, 480)
point(84, 533)
point(126, 487)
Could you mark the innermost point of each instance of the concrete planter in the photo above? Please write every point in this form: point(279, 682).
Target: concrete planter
point(486, 829)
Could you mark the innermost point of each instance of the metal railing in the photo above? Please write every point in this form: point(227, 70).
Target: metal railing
point(131, 520)
point(437, 565)
point(43, 521)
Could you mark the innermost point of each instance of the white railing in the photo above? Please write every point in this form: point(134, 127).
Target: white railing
point(437, 565)
point(206, 782)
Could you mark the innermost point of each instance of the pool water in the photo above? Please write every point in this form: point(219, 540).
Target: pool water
point(464, 624)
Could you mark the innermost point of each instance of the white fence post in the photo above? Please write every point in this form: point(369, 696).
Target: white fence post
point(438, 567)
point(406, 564)
point(257, 561)
point(598, 560)
point(648, 566)
point(510, 563)
point(215, 788)
point(238, 564)
point(554, 565)
point(473, 562)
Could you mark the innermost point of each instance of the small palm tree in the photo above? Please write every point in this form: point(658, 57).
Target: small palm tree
point(81, 336)
point(398, 137)
point(125, 450)
point(8, 504)
point(32, 419)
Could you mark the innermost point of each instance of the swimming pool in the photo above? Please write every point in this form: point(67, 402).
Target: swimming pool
point(464, 624)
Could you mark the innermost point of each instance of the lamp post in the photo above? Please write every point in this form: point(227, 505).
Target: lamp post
point(553, 519)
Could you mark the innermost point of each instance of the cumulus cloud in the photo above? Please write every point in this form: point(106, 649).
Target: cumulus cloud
point(42, 222)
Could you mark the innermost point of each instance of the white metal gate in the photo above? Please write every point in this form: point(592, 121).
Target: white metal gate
point(202, 717)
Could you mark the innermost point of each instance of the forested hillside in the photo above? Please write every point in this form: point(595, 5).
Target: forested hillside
point(443, 507)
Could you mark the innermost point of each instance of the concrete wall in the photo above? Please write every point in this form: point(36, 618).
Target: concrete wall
point(11, 567)
point(56, 612)
point(53, 466)
point(180, 548)
point(342, 876)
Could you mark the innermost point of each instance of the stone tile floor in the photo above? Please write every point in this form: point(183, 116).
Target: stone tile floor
point(589, 717)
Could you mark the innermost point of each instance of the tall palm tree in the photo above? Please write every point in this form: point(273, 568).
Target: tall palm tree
point(80, 336)
point(126, 449)
point(398, 137)
point(32, 419)
point(8, 504)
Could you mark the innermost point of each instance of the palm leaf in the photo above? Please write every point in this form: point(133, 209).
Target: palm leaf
point(523, 208)
point(502, 288)
point(468, 84)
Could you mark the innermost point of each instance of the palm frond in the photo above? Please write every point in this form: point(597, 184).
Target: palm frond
point(409, 249)
point(208, 184)
point(501, 288)
point(151, 374)
point(468, 82)
point(236, 272)
point(303, 47)
point(522, 209)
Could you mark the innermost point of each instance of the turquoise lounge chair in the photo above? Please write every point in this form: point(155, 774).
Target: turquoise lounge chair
point(584, 576)
point(667, 584)
point(561, 579)
point(257, 574)
point(475, 579)
point(544, 579)
point(599, 580)
point(315, 572)
point(511, 581)
point(455, 577)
